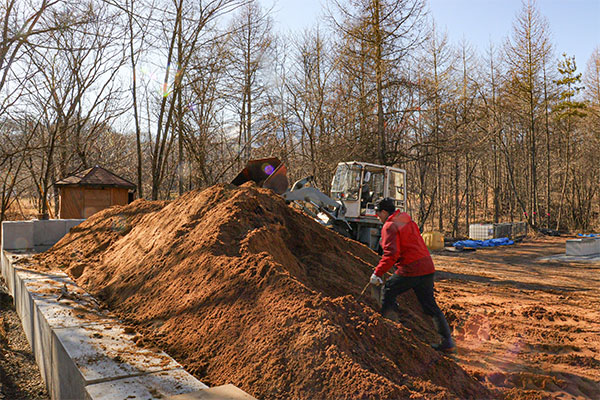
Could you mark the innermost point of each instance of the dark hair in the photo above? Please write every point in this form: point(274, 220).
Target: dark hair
point(386, 204)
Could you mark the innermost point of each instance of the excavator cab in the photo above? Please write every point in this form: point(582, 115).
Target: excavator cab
point(358, 185)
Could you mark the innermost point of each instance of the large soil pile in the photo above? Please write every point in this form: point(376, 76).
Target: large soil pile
point(241, 288)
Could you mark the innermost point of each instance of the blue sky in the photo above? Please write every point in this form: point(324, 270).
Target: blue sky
point(574, 24)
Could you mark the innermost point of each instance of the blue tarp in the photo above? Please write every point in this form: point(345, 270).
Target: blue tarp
point(483, 243)
point(589, 234)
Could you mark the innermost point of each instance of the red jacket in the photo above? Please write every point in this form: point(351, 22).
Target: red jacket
point(403, 247)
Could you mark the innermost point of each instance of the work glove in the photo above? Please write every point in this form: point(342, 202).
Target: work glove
point(375, 280)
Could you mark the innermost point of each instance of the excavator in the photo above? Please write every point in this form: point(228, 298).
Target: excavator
point(350, 207)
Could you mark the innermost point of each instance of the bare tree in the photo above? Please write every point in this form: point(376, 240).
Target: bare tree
point(21, 23)
point(384, 33)
point(526, 51)
point(203, 114)
point(250, 46)
point(438, 62)
point(76, 75)
point(15, 143)
point(184, 25)
point(138, 23)
point(308, 94)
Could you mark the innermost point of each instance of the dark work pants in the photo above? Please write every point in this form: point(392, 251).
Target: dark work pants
point(423, 288)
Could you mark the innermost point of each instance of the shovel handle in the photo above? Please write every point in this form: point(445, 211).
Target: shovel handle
point(364, 289)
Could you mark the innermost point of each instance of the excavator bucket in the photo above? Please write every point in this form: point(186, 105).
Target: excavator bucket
point(269, 173)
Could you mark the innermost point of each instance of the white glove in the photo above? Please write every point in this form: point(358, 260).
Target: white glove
point(375, 280)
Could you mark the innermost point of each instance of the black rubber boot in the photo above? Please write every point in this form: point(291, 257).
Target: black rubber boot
point(392, 312)
point(391, 315)
point(447, 344)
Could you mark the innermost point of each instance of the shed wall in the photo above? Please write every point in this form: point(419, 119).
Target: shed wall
point(82, 202)
point(70, 203)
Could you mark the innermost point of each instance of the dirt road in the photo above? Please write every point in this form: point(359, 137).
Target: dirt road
point(526, 326)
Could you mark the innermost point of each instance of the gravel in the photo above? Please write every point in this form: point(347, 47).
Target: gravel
point(19, 374)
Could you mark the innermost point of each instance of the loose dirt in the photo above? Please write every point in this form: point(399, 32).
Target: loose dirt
point(526, 326)
point(241, 288)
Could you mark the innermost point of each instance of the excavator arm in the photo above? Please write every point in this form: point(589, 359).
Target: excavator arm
point(272, 173)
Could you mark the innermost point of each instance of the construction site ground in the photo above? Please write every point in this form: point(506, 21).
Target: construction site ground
point(240, 288)
point(524, 323)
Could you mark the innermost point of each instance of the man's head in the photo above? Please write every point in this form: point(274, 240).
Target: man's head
point(384, 208)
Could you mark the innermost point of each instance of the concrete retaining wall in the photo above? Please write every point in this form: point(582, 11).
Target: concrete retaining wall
point(35, 234)
point(82, 351)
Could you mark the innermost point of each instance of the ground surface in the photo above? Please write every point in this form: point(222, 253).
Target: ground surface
point(242, 289)
point(19, 375)
point(528, 327)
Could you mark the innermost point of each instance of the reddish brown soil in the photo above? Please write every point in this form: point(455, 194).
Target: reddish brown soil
point(528, 327)
point(243, 289)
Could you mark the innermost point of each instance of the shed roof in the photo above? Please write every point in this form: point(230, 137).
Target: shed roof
point(96, 176)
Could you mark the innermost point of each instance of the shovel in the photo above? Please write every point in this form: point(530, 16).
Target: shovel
point(375, 293)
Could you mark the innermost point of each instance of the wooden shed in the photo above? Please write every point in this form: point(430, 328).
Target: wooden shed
point(92, 190)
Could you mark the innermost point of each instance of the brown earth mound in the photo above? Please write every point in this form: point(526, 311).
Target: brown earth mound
point(241, 288)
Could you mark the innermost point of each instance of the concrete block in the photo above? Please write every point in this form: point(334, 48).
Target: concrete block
point(36, 330)
point(225, 392)
point(24, 307)
point(582, 247)
point(104, 351)
point(68, 313)
point(70, 223)
point(7, 272)
point(49, 313)
point(73, 222)
point(42, 343)
point(17, 235)
point(82, 350)
point(158, 385)
point(31, 287)
point(65, 380)
point(48, 232)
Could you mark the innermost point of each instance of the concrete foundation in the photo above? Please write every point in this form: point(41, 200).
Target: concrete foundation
point(159, 385)
point(225, 392)
point(37, 235)
point(17, 235)
point(583, 247)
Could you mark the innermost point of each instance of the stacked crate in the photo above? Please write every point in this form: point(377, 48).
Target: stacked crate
point(481, 231)
point(503, 230)
point(512, 230)
point(519, 230)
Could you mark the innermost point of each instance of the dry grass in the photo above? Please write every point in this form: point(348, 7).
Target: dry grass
point(24, 209)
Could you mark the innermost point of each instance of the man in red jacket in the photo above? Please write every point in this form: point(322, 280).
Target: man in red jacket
point(404, 248)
